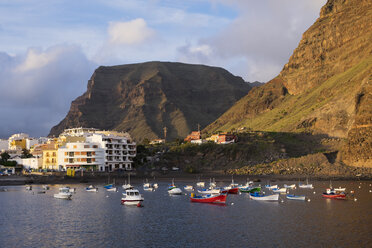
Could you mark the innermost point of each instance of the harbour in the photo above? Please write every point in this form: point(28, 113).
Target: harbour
point(98, 219)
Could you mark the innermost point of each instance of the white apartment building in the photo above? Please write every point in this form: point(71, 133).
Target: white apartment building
point(78, 155)
point(119, 150)
point(112, 150)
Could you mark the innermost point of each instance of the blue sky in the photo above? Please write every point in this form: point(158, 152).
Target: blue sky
point(49, 49)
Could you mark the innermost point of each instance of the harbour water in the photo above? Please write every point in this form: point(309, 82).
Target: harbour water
point(28, 219)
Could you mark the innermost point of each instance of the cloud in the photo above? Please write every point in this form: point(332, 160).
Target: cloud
point(129, 33)
point(36, 88)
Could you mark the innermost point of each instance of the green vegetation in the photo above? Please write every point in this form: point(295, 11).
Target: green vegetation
point(4, 160)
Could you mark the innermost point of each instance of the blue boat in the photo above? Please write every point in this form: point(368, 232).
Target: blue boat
point(108, 186)
point(296, 197)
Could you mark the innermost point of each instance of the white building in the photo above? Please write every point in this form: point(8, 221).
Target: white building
point(78, 155)
point(29, 163)
point(3, 145)
point(118, 149)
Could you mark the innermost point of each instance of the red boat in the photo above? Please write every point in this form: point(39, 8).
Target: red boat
point(232, 191)
point(221, 198)
point(333, 195)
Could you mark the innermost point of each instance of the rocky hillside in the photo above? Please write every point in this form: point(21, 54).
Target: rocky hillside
point(144, 98)
point(325, 86)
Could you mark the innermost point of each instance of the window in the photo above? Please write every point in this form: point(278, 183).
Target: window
point(71, 154)
point(70, 160)
point(66, 159)
point(66, 153)
point(75, 147)
point(77, 153)
point(54, 154)
point(86, 146)
point(93, 153)
point(89, 160)
point(93, 159)
point(95, 146)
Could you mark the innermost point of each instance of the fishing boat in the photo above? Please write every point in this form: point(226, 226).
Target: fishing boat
point(268, 186)
point(155, 185)
point(232, 188)
point(213, 191)
point(28, 187)
point(292, 186)
point(279, 190)
point(64, 193)
point(109, 186)
point(46, 187)
point(339, 189)
point(250, 189)
point(147, 184)
point(132, 197)
point(305, 186)
point(261, 197)
point(296, 197)
point(221, 198)
point(246, 185)
point(91, 188)
point(333, 195)
point(212, 184)
point(200, 184)
point(188, 187)
point(173, 190)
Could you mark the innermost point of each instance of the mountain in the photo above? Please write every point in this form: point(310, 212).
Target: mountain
point(325, 88)
point(144, 98)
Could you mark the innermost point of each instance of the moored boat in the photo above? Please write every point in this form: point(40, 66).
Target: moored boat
point(212, 191)
point(188, 187)
point(91, 188)
point(306, 186)
point(200, 184)
point(339, 189)
point(292, 186)
point(173, 190)
point(155, 185)
point(268, 186)
point(28, 187)
point(296, 197)
point(250, 189)
point(221, 198)
point(132, 197)
point(46, 187)
point(332, 194)
point(261, 197)
point(279, 190)
point(148, 187)
point(64, 193)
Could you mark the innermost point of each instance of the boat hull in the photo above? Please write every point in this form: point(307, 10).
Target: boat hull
point(63, 196)
point(296, 197)
point(334, 196)
point(265, 197)
point(250, 190)
point(131, 202)
point(175, 191)
point(221, 199)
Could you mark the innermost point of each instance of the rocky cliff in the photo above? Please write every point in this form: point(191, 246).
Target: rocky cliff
point(144, 98)
point(324, 87)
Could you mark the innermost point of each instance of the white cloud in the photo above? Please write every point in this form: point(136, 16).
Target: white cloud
point(129, 33)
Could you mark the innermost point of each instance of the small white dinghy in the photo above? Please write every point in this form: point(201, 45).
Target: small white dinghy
point(292, 186)
point(64, 193)
point(155, 185)
point(45, 187)
point(296, 197)
point(260, 197)
point(339, 189)
point(280, 190)
point(113, 189)
point(173, 190)
point(91, 188)
point(200, 184)
point(188, 187)
point(28, 187)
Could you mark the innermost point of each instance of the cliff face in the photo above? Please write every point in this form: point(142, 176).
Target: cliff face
point(317, 88)
point(144, 98)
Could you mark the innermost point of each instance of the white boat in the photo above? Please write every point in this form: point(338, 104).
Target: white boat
point(212, 184)
point(64, 193)
point(280, 190)
point(127, 186)
point(200, 184)
point(72, 190)
point(112, 189)
point(296, 197)
point(268, 186)
point(46, 187)
point(210, 191)
point(132, 197)
point(292, 186)
point(91, 188)
point(148, 188)
point(339, 189)
point(173, 190)
point(305, 186)
point(247, 185)
point(28, 187)
point(188, 187)
point(155, 185)
point(260, 197)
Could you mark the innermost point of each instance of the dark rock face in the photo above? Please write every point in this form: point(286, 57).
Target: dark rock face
point(316, 90)
point(144, 98)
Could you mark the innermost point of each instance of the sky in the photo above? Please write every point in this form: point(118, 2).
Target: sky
point(49, 49)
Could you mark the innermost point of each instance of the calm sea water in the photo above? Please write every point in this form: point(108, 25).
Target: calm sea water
point(99, 220)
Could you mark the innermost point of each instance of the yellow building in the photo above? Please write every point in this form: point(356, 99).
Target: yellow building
point(50, 156)
point(18, 144)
